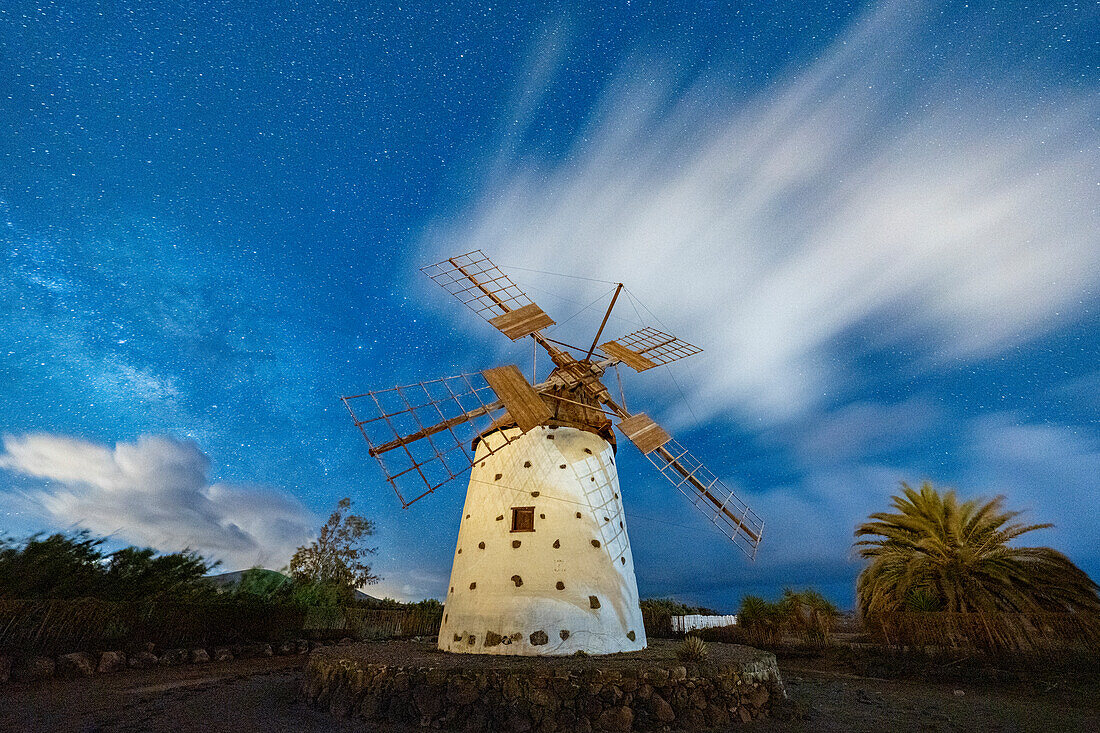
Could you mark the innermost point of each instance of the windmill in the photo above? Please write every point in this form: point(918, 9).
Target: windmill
point(543, 563)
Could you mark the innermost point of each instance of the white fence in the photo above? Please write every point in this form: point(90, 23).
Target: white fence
point(684, 624)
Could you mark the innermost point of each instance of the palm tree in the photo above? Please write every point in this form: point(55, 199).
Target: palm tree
point(939, 554)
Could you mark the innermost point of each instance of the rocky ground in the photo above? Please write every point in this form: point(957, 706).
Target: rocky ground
point(249, 695)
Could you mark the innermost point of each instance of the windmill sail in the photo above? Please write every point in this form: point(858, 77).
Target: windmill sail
point(423, 435)
point(707, 493)
point(483, 288)
point(648, 348)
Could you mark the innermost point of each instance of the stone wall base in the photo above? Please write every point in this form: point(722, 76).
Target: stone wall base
point(635, 691)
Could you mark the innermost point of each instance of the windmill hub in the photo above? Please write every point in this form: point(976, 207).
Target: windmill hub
point(543, 563)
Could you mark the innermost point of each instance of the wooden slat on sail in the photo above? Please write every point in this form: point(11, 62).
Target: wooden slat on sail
point(647, 435)
point(522, 321)
point(521, 400)
point(632, 359)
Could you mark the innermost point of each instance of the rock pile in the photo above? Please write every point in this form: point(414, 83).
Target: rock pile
point(654, 693)
point(84, 664)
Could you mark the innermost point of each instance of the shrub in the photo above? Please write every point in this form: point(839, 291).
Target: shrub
point(693, 650)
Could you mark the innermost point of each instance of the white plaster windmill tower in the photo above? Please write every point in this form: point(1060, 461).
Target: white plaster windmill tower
point(543, 563)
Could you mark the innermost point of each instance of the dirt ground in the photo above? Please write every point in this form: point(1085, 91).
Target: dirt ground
point(250, 696)
point(829, 700)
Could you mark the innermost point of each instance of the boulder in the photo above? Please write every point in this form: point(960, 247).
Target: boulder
point(111, 662)
point(222, 654)
point(142, 660)
point(173, 658)
point(758, 697)
point(256, 650)
point(199, 656)
point(619, 719)
point(77, 664)
point(660, 708)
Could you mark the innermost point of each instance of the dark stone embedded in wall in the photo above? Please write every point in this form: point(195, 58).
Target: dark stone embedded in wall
point(473, 585)
point(492, 639)
point(500, 517)
point(607, 519)
point(527, 464)
point(467, 516)
point(534, 493)
point(460, 551)
point(458, 637)
point(578, 515)
point(557, 544)
point(623, 559)
point(517, 580)
point(629, 635)
point(471, 640)
point(560, 585)
point(549, 437)
point(564, 634)
point(539, 638)
point(542, 516)
point(498, 477)
point(562, 466)
point(593, 602)
point(452, 589)
point(595, 543)
point(515, 544)
point(588, 451)
point(481, 545)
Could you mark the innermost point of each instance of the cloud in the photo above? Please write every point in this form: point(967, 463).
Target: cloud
point(156, 492)
point(1049, 470)
point(859, 430)
point(859, 195)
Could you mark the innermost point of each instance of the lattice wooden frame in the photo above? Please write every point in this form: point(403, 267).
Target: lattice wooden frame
point(728, 513)
point(456, 409)
point(454, 275)
point(656, 346)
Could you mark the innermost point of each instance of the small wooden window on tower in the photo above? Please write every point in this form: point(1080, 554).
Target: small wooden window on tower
point(523, 519)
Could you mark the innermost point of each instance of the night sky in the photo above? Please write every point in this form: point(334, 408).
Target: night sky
point(880, 221)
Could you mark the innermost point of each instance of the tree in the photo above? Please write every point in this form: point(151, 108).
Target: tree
point(74, 566)
point(58, 566)
point(939, 554)
point(133, 574)
point(336, 556)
